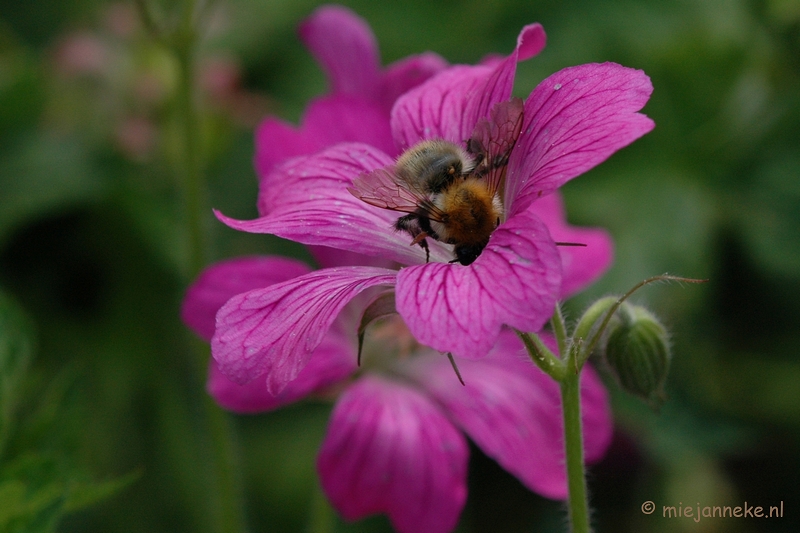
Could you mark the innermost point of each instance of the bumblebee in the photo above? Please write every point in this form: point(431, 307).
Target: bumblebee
point(451, 194)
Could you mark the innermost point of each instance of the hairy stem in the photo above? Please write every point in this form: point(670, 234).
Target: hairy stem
point(542, 356)
point(573, 445)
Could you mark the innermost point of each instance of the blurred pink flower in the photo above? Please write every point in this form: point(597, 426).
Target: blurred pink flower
point(136, 136)
point(394, 443)
point(81, 54)
point(573, 120)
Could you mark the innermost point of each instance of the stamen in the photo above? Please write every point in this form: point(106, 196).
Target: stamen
point(455, 368)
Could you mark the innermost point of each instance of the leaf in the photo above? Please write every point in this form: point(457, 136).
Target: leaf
point(32, 495)
point(36, 491)
point(42, 174)
point(86, 494)
point(16, 353)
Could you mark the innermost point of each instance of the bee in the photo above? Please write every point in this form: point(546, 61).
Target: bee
point(450, 194)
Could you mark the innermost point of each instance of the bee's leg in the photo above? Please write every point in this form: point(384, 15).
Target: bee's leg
point(420, 239)
point(408, 223)
point(411, 225)
point(424, 244)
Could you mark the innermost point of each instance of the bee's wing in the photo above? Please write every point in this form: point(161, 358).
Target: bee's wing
point(492, 141)
point(384, 188)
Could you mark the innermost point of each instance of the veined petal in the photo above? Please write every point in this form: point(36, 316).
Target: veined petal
point(582, 265)
point(574, 120)
point(277, 141)
point(314, 207)
point(407, 73)
point(461, 309)
point(450, 104)
point(345, 47)
point(328, 120)
point(328, 257)
point(345, 118)
point(275, 330)
point(512, 411)
point(436, 109)
point(498, 86)
point(221, 281)
point(332, 361)
point(388, 449)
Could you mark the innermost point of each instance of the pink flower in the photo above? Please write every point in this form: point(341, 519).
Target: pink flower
point(362, 95)
point(573, 120)
point(394, 443)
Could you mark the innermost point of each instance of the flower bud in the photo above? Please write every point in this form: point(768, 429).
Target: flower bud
point(637, 352)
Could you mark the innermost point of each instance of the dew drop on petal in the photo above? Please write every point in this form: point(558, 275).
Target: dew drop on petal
point(557, 86)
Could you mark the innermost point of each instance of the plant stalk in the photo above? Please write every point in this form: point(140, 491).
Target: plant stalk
point(573, 447)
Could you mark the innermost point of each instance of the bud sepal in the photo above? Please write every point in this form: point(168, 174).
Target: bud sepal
point(637, 353)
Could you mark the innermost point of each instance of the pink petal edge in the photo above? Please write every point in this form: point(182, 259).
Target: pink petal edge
point(582, 265)
point(222, 281)
point(388, 449)
point(315, 207)
point(344, 45)
point(332, 362)
point(448, 105)
point(275, 330)
point(461, 309)
point(574, 120)
point(512, 411)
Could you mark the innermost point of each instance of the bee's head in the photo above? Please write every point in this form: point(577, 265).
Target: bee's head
point(466, 254)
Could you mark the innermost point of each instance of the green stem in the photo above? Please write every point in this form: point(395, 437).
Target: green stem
point(573, 444)
point(182, 41)
point(560, 330)
point(193, 181)
point(226, 467)
point(322, 517)
point(542, 356)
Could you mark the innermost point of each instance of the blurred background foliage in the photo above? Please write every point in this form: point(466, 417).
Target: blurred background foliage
point(100, 424)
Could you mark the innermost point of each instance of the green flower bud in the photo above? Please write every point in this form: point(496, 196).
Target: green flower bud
point(637, 352)
point(593, 316)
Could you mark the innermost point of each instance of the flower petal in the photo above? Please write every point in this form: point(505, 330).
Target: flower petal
point(307, 201)
point(461, 309)
point(333, 361)
point(574, 120)
point(406, 74)
point(275, 330)
point(582, 265)
point(277, 141)
point(345, 47)
point(327, 257)
point(436, 109)
point(512, 411)
point(498, 86)
point(328, 120)
point(389, 449)
point(221, 281)
point(450, 104)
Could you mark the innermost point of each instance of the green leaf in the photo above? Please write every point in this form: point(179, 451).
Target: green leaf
point(771, 216)
point(16, 353)
point(42, 174)
point(86, 494)
point(32, 495)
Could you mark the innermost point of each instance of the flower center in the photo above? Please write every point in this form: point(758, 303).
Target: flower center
point(388, 344)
